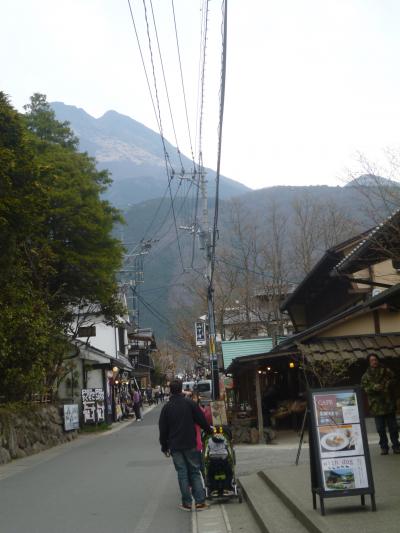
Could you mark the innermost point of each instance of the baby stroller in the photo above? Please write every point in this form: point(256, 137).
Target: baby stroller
point(219, 465)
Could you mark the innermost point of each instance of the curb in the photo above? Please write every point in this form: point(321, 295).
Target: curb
point(254, 512)
point(314, 526)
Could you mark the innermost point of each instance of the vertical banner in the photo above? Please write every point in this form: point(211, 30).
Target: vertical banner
point(93, 409)
point(339, 453)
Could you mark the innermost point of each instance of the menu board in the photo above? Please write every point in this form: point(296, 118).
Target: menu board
point(339, 454)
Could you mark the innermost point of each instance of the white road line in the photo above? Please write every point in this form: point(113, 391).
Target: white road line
point(226, 519)
point(194, 523)
point(213, 520)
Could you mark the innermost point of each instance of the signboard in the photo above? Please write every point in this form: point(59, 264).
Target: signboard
point(218, 413)
point(93, 406)
point(339, 453)
point(71, 417)
point(200, 330)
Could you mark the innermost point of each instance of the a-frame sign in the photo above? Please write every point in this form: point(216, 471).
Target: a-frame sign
point(339, 454)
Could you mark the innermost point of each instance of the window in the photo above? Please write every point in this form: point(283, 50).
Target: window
point(87, 331)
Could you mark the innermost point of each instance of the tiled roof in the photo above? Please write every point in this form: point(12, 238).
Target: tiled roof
point(352, 347)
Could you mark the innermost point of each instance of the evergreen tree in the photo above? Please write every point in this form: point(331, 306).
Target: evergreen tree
point(56, 242)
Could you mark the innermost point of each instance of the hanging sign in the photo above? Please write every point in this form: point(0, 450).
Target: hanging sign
point(200, 330)
point(339, 453)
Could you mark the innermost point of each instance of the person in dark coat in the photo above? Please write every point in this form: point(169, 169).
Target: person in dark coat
point(269, 403)
point(178, 439)
point(378, 383)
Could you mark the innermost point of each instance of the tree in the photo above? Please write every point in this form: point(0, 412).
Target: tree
point(41, 120)
point(55, 235)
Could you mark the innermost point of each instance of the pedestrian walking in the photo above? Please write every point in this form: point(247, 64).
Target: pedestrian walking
point(137, 400)
point(156, 394)
point(166, 392)
point(178, 439)
point(149, 394)
point(378, 383)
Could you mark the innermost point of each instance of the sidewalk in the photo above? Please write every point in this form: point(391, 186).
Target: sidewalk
point(279, 493)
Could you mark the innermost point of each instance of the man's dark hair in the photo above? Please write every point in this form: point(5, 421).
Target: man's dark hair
point(175, 386)
point(373, 355)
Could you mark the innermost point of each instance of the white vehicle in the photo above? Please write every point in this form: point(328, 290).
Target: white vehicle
point(203, 389)
point(188, 386)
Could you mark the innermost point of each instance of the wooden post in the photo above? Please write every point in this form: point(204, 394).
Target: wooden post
point(260, 419)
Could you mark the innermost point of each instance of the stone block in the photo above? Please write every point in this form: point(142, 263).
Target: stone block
point(254, 436)
point(5, 456)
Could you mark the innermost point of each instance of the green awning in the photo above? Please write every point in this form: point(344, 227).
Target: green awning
point(245, 347)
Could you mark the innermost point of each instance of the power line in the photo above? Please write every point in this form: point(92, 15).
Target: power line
point(166, 156)
point(166, 88)
point(183, 86)
point(155, 312)
point(143, 62)
point(202, 81)
point(156, 213)
point(221, 118)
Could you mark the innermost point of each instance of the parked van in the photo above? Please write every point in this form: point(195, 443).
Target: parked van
point(204, 389)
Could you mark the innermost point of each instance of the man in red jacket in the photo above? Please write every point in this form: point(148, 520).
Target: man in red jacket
point(178, 439)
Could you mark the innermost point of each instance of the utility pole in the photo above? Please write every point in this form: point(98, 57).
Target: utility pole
point(206, 244)
point(132, 275)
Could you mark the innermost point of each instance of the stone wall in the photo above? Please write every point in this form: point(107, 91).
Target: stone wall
point(29, 429)
point(243, 433)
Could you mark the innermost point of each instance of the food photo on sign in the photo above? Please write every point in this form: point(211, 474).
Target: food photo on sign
point(341, 440)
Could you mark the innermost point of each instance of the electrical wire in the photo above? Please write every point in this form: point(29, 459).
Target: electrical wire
point(166, 89)
point(202, 83)
point(168, 167)
point(143, 62)
point(221, 119)
point(183, 86)
point(155, 312)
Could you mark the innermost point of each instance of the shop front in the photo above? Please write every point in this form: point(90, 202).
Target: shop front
point(268, 391)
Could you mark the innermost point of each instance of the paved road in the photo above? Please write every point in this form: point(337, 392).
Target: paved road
point(117, 482)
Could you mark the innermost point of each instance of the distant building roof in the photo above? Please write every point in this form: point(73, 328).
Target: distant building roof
point(245, 347)
point(385, 238)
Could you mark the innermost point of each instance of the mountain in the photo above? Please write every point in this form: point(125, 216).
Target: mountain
point(338, 212)
point(174, 266)
point(133, 154)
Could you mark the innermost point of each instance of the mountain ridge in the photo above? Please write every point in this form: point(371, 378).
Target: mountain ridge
point(133, 153)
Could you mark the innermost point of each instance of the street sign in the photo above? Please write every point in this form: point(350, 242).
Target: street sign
point(200, 330)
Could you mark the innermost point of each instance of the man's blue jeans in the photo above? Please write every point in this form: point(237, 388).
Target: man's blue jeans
point(390, 420)
point(187, 464)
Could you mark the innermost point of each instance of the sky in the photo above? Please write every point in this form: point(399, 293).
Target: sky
point(310, 84)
